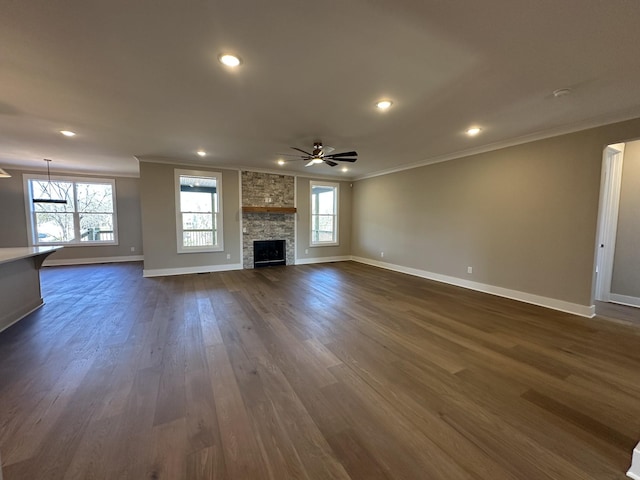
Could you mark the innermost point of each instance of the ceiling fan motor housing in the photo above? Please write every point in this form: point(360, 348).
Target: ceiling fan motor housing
point(317, 150)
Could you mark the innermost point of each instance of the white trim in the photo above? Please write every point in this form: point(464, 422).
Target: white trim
point(624, 300)
point(240, 218)
point(77, 242)
point(61, 169)
point(217, 215)
point(92, 260)
point(634, 469)
point(308, 261)
point(612, 162)
point(629, 114)
point(295, 223)
point(336, 209)
point(244, 168)
point(574, 308)
point(163, 272)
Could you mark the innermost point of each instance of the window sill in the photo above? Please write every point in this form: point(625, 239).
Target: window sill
point(200, 250)
point(315, 245)
point(86, 244)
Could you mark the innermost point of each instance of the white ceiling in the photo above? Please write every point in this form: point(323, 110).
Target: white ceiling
point(140, 79)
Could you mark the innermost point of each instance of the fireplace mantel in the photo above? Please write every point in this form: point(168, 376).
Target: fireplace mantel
point(250, 209)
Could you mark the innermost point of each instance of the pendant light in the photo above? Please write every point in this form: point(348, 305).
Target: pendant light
point(47, 190)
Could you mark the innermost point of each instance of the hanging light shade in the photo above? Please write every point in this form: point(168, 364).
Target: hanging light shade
point(47, 190)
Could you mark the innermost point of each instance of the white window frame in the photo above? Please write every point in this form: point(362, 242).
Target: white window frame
point(218, 215)
point(31, 218)
point(336, 187)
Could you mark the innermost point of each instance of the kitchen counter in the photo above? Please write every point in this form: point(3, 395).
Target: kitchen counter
point(20, 282)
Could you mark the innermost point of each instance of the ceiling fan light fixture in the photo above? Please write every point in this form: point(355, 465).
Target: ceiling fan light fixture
point(317, 160)
point(229, 60)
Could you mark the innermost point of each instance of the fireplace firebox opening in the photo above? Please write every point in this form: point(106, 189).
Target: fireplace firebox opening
point(269, 253)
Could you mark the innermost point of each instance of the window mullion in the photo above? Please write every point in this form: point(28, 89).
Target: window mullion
point(76, 215)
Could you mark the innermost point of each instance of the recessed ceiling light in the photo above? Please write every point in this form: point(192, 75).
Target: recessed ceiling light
point(345, 169)
point(384, 104)
point(229, 60)
point(202, 153)
point(473, 131)
point(68, 133)
point(280, 161)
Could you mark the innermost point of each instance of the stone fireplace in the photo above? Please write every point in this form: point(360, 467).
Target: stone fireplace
point(268, 213)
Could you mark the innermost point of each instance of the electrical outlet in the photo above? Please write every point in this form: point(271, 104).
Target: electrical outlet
point(306, 251)
point(133, 249)
point(381, 254)
point(228, 256)
point(469, 269)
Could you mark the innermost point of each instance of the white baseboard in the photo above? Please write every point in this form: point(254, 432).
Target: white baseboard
point(88, 261)
point(308, 261)
point(634, 470)
point(574, 308)
point(164, 272)
point(625, 300)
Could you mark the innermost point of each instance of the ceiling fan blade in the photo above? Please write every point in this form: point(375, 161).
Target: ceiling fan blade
point(327, 150)
point(345, 159)
point(330, 163)
point(300, 150)
point(343, 154)
point(310, 163)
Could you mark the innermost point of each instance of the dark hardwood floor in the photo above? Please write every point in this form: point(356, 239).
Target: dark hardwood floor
point(332, 371)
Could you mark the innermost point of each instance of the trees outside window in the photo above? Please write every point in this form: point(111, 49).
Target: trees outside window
point(198, 211)
point(324, 213)
point(88, 216)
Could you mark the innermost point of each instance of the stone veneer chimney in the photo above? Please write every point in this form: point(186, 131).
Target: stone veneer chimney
point(267, 190)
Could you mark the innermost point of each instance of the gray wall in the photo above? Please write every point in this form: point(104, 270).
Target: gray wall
point(523, 217)
point(157, 195)
point(13, 219)
point(626, 265)
point(303, 201)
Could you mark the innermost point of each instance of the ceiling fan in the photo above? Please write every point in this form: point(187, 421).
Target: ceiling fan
point(322, 154)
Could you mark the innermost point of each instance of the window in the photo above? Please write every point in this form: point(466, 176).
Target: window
point(324, 213)
point(198, 211)
point(71, 211)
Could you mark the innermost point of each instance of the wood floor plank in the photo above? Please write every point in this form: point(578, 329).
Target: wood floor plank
point(326, 371)
point(241, 453)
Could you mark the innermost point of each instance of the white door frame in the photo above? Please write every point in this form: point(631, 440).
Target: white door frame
point(611, 182)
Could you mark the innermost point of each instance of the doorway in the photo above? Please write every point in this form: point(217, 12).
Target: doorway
point(612, 162)
point(617, 273)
